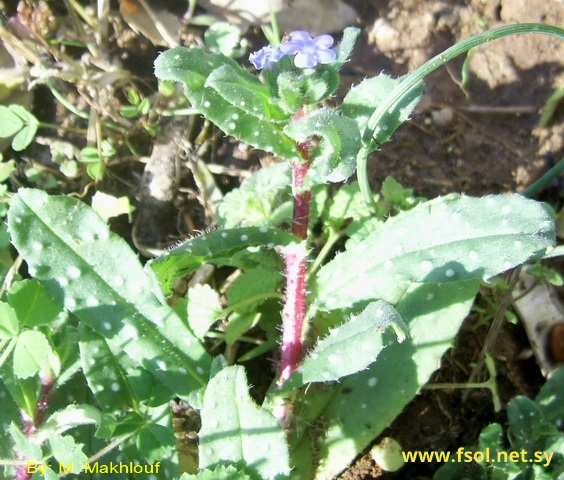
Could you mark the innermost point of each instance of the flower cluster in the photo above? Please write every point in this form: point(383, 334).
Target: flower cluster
point(308, 51)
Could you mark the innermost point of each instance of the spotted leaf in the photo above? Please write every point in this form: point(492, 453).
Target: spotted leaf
point(188, 256)
point(219, 97)
point(452, 238)
point(352, 346)
point(70, 250)
point(235, 430)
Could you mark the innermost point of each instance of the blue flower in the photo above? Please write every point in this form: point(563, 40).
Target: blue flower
point(265, 57)
point(310, 51)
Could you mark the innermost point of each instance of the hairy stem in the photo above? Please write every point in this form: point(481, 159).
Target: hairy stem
point(295, 260)
point(294, 312)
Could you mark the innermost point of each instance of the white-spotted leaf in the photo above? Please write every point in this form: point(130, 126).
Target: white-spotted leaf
point(70, 250)
point(352, 346)
point(235, 430)
point(448, 239)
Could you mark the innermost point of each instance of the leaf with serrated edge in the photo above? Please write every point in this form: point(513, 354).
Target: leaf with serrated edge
point(33, 304)
point(363, 405)
point(447, 239)
point(65, 449)
point(72, 252)
point(106, 378)
point(256, 200)
point(204, 308)
point(31, 353)
point(192, 67)
point(8, 321)
point(220, 473)
point(236, 430)
point(336, 159)
point(74, 416)
point(352, 346)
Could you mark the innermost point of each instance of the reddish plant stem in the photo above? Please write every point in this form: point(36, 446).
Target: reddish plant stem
point(294, 312)
point(295, 260)
point(302, 200)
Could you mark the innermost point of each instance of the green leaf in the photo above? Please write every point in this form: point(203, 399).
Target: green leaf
point(24, 391)
point(362, 100)
point(8, 321)
point(255, 281)
point(26, 135)
point(290, 86)
point(104, 372)
point(219, 473)
point(346, 203)
point(31, 354)
point(192, 67)
point(6, 169)
point(447, 239)
point(551, 397)
point(236, 430)
point(398, 197)
point(67, 451)
point(244, 90)
point(527, 422)
point(335, 161)
point(155, 442)
point(259, 199)
point(24, 446)
point(72, 252)
point(346, 46)
point(225, 38)
point(10, 123)
point(33, 305)
point(352, 346)
point(74, 416)
point(204, 308)
point(193, 253)
point(361, 406)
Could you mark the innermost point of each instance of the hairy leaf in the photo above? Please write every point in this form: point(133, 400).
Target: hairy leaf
point(192, 67)
point(188, 256)
point(448, 239)
point(335, 161)
point(362, 100)
point(352, 346)
point(106, 377)
point(361, 406)
point(236, 430)
point(259, 200)
point(72, 252)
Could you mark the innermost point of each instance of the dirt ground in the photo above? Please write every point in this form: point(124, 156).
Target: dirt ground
point(475, 131)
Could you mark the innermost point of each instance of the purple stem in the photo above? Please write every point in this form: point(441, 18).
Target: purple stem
point(293, 314)
point(295, 259)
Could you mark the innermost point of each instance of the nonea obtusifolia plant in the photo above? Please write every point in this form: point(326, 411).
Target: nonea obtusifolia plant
point(361, 332)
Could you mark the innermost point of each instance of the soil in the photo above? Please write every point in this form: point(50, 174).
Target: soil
point(475, 131)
